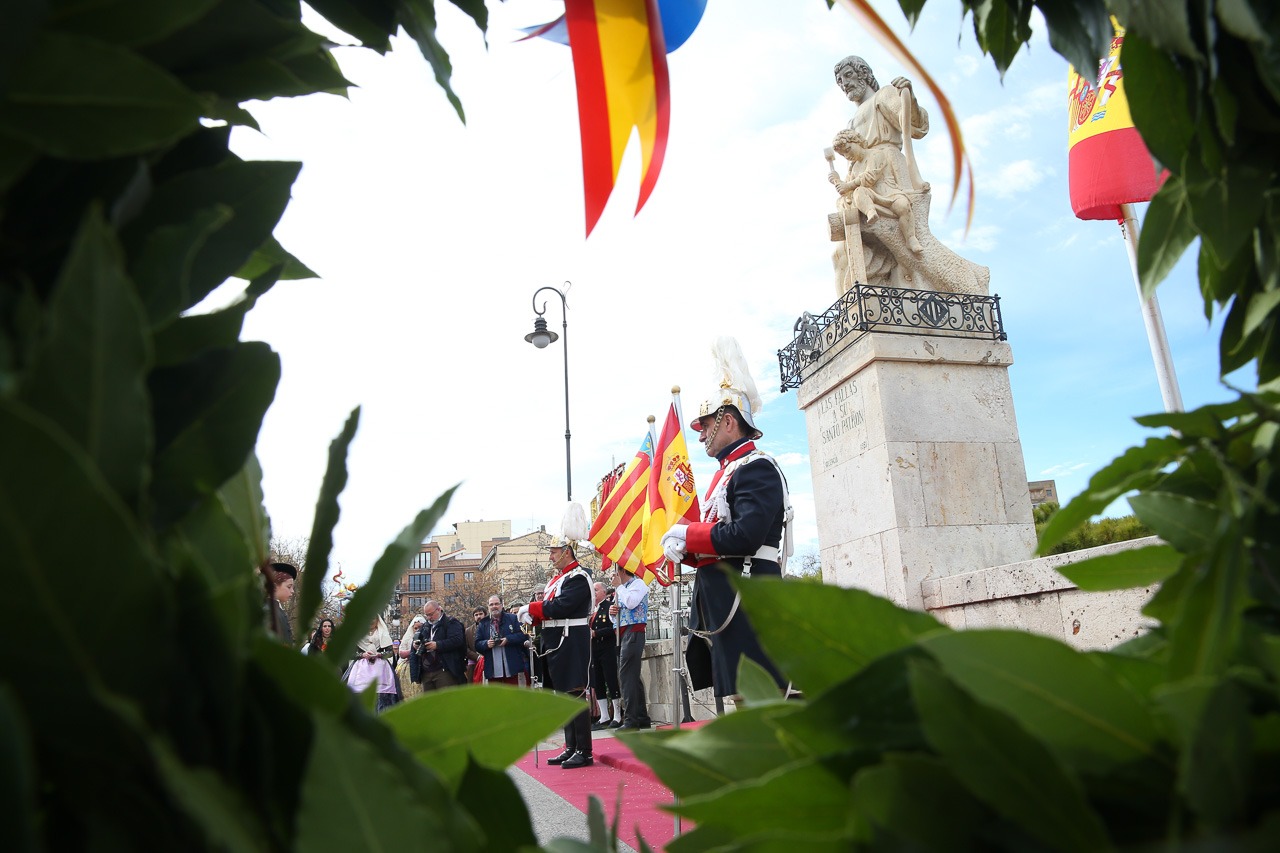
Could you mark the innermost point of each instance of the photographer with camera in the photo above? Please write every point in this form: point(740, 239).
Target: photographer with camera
point(441, 647)
point(604, 660)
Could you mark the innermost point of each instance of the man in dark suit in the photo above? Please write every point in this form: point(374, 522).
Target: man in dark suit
point(500, 640)
point(442, 644)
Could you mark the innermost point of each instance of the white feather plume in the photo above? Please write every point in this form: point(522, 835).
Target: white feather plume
point(575, 526)
point(732, 371)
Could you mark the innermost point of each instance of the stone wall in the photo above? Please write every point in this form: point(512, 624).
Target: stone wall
point(1032, 596)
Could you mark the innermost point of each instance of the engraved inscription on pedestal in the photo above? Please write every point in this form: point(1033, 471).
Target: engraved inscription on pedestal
point(842, 425)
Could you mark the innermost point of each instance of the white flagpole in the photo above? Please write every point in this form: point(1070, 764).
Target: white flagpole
point(1166, 377)
point(677, 659)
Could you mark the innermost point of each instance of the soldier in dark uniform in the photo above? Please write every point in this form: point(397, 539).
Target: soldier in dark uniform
point(564, 619)
point(744, 516)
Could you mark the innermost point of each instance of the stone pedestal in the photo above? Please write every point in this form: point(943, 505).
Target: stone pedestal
point(917, 466)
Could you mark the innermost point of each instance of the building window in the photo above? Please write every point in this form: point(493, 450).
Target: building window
point(448, 578)
point(468, 576)
point(421, 560)
point(419, 583)
point(415, 604)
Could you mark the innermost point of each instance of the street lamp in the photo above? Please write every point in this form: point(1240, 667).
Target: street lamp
point(541, 337)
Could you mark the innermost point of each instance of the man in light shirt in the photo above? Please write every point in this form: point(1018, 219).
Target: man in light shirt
point(632, 612)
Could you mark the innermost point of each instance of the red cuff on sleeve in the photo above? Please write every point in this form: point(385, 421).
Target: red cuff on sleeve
point(535, 610)
point(697, 539)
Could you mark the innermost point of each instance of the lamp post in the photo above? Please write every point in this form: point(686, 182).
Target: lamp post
point(540, 337)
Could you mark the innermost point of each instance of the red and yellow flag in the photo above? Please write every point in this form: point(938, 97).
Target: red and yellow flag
point(618, 529)
point(1108, 164)
point(620, 68)
point(672, 495)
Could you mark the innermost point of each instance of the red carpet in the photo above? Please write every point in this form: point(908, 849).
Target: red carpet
point(617, 776)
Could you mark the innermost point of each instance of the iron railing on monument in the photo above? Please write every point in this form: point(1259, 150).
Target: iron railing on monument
point(893, 310)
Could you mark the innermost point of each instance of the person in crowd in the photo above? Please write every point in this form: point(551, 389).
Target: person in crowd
point(319, 642)
point(441, 643)
point(371, 668)
point(280, 579)
point(501, 642)
point(632, 612)
point(470, 635)
point(604, 660)
point(407, 665)
point(564, 617)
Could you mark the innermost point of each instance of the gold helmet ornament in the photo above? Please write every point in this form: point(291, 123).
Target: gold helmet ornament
point(574, 528)
point(737, 388)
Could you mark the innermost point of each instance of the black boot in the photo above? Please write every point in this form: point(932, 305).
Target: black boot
point(581, 725)
point(579, 759)
point(563, 757)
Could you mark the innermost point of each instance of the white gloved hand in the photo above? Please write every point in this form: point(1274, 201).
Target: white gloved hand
point(673, 542)
point(523, 615)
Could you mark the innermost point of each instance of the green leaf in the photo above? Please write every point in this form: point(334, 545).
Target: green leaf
point(1238, 18)
point(1205, 632)
point(494, 723)
point(486, 791)
point(477, 11)
point(1079, 30)
point(326, 518)
point(889, 795)
point(1204, 422)
point(1136, 468)
point(163, 266)
point(18, 770)
point(1087, 715)
point(65, 84)
point(1226, 206)
point(1165, 25)
point(50, 486)
point(1004, 766)
point(261, 78)
point(371, 21)
point(910, 9)
point(88, 371)
point(871, 711)
point(243, 499)
point(806, 649)
point(271, 254)
point(1002, 27)
point(813, 801)
point(187, 336)
point(255, 192)
point(733, 748)
point(1186, 524)
point(305, 679)
point(15, 159)
point(372, 598)
point(1167, 231)
point(1128, 569)
point(755, 684)
point(130, 23)
point(418, 17)
point(203, 796)
point(1162, 106)
point(354, 799)
point(1211, 721)
point(207, 414)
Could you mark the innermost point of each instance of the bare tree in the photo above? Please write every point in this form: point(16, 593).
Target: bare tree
point(462, 596)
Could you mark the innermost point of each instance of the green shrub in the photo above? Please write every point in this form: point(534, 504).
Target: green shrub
point(142, 704)
point(1090, 533)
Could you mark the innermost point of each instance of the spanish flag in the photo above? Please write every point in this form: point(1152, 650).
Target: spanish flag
point(618, 529)
point(1108, 163)
point(673, 497)
point(620, 68)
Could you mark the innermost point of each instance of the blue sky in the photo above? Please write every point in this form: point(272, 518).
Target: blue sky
point(431, 237)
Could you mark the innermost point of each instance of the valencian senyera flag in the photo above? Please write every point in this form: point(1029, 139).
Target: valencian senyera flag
point(620, 52)
point(618, 529)
point(673, 497)
point(1108, 163)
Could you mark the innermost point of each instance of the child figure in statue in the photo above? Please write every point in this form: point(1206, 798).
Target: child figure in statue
point(875, 184)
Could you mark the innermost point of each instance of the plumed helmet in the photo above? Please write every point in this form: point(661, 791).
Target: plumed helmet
point(574, 527)
point(736, 387)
